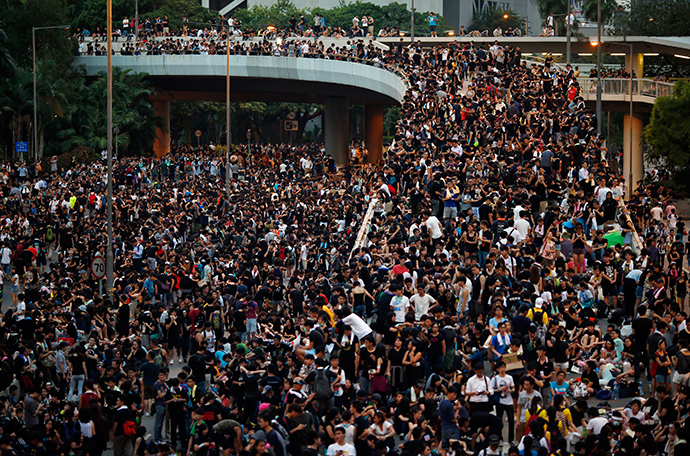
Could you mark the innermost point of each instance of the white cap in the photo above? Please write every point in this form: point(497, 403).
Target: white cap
point(538, 303)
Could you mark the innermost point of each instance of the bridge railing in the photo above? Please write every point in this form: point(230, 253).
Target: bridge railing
point(621, 86)
point(312, 55)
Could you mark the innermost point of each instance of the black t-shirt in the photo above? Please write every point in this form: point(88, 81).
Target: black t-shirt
point(591, 377)
point(642, 328)
point(78, 362)
point(121, 416)
point(671, 413)
point(435, 348)
point(318, 339)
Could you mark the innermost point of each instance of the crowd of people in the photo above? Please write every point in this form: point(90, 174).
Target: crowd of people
point(501, 295)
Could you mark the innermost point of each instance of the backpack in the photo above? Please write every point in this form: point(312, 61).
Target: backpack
point(158, 357)
point(535, 415)
point(282, 431)
point(130, 428)
point(322, 386)
point(541, 328)
point(217, 320)
point(50, 234)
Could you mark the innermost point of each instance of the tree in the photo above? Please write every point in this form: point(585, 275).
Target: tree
point(557, 7)
point(668, 132)
point(491, 18)
point(7, 63)
point(655, 18)
point(608, 10)
point(53, 43)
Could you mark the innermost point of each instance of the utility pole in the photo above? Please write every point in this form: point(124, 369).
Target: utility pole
point(412, 23)
point(228, 136)
point(568, 33)
point(599, 44)
point(109, 270)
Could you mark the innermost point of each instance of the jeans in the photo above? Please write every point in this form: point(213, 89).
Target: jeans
point(508, 410)
point(78, 382)
point(364, 383)
point(158, 425)
point(482, 257)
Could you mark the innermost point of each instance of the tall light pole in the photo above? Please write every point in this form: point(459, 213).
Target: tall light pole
point(228, 136)
point(412, 23)
point(567, 33)
point(598, 110)
point(33, 47)
point(630, 151)
point(136, 21)
point(109, 270)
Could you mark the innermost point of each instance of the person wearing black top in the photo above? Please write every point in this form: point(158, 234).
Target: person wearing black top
point(122, 444)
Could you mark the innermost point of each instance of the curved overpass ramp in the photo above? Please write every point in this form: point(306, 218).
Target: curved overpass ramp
point(335, 83)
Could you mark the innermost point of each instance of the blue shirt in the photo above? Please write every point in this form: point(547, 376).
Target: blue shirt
point(446, 413)
point(432, 20)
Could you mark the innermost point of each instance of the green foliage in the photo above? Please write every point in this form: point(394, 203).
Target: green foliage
point(391, 15)
point(556, 7)
point(655, 18)
point(608, 10)
point(91, 14)
point(21, 15)
point(490, 18)
point(7, 63)
point(85, 123)
point(668, 132)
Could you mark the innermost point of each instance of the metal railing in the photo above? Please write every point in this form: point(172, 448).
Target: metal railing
point(640, 87)
point(264, 53)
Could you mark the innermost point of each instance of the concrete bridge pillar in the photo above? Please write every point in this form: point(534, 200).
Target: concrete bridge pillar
point(637, 64)
point(161, 145)
point(636, 159)
point(337, 129)
point(373, 131)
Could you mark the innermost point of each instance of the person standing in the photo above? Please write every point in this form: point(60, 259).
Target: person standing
point(432, 19)
point(504, 385)
point(447, 413)
point(122, 443)
point(160, 390)
point(478, 391)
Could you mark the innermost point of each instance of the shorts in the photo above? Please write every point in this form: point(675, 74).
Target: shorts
point(251, 325)
point(680, 378)
point(579, 251)
point(448, 434)
point(660, 378)
point(311, 351)
point(432, 28)
point(561, 366)
point(148, 392)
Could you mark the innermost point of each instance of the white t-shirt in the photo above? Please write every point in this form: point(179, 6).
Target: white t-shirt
point(400, 305)
point(21, 310)
point(434, 226)
point(359, 326)
point(346, 448)
point(421, 305)
point(499, 382)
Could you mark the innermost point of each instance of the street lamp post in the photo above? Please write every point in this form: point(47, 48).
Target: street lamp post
point(598, 107)
point(567, 33)
point(412, 23)
point(228, 135)
point(136, 21)
point(630, 122)
point(33, 47)
point(109, 269)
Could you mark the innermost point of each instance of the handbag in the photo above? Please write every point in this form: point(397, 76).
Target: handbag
point(379, 384)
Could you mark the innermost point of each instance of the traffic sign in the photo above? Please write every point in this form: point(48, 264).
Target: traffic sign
point(197, 133)
point(21, 147)
point(98, 267)
point(291, 125)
